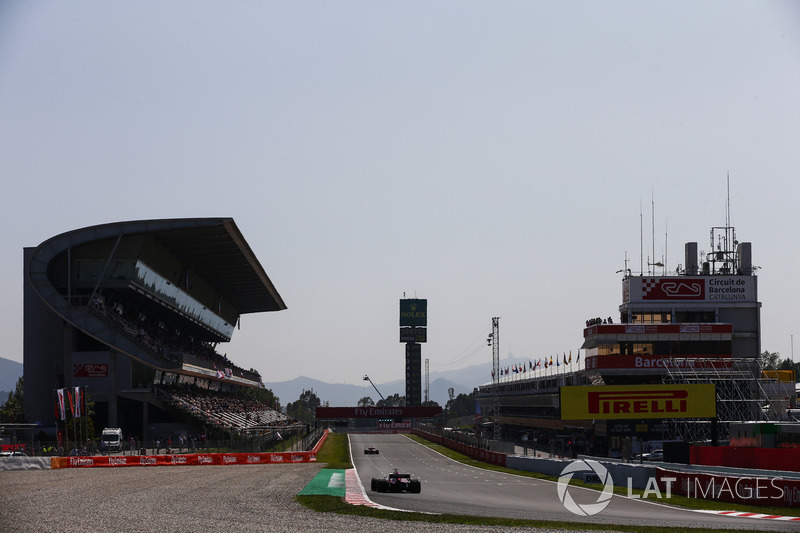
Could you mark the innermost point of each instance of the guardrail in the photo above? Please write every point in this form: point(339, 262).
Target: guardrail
point(192, 459)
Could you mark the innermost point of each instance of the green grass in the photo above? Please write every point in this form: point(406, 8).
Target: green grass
point(336, 454)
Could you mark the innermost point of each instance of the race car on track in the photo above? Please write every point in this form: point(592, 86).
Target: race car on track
point(396, 482)
point(371, 450)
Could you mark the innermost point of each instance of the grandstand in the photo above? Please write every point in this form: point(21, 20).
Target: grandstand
point(136, 312)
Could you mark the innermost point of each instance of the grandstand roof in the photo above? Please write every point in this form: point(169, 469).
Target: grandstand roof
point(212, 247)
point(217, 250)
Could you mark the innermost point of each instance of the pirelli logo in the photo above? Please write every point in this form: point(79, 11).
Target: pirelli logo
point(642, 401)
point(668, 401)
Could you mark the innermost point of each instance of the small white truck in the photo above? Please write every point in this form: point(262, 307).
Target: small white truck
point(112, 438)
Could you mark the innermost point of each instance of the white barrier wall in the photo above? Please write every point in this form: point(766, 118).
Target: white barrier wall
point(620, 472)
point(24, 463)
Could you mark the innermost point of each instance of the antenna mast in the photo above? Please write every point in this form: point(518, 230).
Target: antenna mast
point(666, 243)
point(641, 240)
point(653, 228)
point(427, 381)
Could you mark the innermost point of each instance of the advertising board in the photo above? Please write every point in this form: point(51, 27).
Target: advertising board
point(638, 401)
point(414, 312)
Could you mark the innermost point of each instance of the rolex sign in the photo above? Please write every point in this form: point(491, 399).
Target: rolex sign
point(414, 312)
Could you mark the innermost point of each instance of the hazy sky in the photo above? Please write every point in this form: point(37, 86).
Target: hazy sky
point(497, 158)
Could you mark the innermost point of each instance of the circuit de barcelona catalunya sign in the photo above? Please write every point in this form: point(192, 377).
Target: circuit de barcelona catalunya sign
point(638, 401)
point(678, 288)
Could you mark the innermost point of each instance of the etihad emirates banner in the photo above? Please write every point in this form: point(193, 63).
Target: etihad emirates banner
point(638, 401)
point(199, 459)
point(409, 411)
point(683, 288)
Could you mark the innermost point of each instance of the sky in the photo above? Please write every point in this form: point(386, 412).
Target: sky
point(499, 159)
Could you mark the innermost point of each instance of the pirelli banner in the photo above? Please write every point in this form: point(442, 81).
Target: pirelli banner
point(638, 401)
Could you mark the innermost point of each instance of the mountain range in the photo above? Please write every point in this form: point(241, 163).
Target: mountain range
point(10, 372)
point(462, 381)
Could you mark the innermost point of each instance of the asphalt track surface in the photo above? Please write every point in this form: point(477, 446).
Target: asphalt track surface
point(452, 487)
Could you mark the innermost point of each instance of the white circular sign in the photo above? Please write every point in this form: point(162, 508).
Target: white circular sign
point(600, 471)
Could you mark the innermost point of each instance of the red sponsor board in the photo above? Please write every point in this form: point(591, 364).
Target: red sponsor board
point(90, 370)
point(639, 362)
point(378, 412)
point(197, 459)
point(747, 457)
point(406, 424)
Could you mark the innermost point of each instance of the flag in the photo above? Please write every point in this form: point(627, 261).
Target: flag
point(579, 356)
point(61, 411)
point(551, 360)
point(531, 364)
point(80, 402)
point(220, 375)
point(570, 356)
point(71, 402)
point(545, 363)
point(558, 363)
point(565, 358)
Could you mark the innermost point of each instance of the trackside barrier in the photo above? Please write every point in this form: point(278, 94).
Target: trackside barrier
point(198, 459)
point(758, 489)
point(480, 454)
point(746, 457)
point(622, 474)
point(24, 463)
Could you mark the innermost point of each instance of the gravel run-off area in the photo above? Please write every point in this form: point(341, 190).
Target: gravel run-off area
point(219, 499)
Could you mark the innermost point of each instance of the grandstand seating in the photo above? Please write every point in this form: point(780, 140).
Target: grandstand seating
point(171, 348)
point(223, 411)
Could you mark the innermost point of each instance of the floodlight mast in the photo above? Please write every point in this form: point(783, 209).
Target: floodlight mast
point(366, 378)
point(494, 342)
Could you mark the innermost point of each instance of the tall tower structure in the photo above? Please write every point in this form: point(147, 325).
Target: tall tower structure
point(413, 331)
point(494, 342)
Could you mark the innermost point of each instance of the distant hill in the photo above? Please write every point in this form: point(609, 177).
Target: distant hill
point(463, 381)
point(10, 372)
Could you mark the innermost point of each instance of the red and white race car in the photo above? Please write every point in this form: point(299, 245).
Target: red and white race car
point(396, 482)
